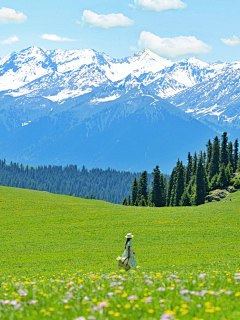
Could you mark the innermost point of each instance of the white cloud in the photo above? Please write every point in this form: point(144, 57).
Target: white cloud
point(172, 47)
point(107, 21)
point(230, 42)
point(54, 37)
point(10, 15)
point(158, 5)
point(10, 40)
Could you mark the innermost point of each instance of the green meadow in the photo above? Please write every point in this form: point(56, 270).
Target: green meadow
point(47, 233)
point(58, 259)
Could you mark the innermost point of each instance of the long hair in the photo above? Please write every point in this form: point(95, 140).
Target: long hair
point(128, 239)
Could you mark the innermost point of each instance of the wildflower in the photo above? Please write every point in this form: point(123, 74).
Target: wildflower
point(134, 297)
point(148, 300)
point(67, 307)
point(161, 289)
point(150, 311)
point(116, 314)
point(110, 312)
point(80, 318)
point(202, 275)
point(22, 292)
point(32, 302)
point(110, 294)
point(182, 292)
point(127, 306)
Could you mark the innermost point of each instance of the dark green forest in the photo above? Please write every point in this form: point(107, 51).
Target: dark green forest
point(188, 185)
point(109, 185)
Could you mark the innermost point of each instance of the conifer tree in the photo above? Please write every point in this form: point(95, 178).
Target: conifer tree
point(188, 170)
point(209, 154)
point(143, 186)
point(229, 172)
point(156, 191)
point(222, 178)
point(135, 192)
point(194, 167)
point(129, 200)
point(185, 199)
point(201, 182)
point(230, 152)
point(238, 165)
point(124, 203)
point(179, 188)
point(170, 187)
point(214, 163)
point(142, 202)
point(224, 151)
point(235, 155)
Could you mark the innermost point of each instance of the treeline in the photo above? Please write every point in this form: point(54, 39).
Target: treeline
point(109, 185)
point(188, 185)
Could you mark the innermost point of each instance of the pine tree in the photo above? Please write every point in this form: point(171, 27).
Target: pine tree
point(230, 153)
point(209, 152)
point(185, 199)
point(156, 191)
point(223, 152)
point(229, 172)
point(236, 155)
point(194, 167)
point(188, 170)
point(238, 165)
point(143, 186)
point(170, 188)
point(124, 203)
point(142, 202)
point(213, 183)
point(222, 178)
point(214, 163)
point(135, 191)
point(179, 188)
point(129, 200)
point(201, 182)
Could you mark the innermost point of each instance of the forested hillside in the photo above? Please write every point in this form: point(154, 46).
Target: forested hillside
point(109, 185)
point(189, 185)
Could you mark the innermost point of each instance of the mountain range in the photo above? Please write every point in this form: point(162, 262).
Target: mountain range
point(84, 107)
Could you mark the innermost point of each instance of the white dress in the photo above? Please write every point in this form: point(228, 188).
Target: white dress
point(132, 262)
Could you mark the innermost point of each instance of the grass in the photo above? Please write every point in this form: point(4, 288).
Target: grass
point(188, 259)
point(46, 233)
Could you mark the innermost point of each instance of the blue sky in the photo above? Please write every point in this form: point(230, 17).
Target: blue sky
point(194, 28)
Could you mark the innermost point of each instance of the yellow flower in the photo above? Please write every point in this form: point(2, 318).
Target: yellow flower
point(43, 310)
point(210, 310)
point(172, 313)
point(217, 308)
point(184, 306)
point(51, 309)
point(118, 291)
point(67, 307)
point(118, 306)
point(150, 311)
point(136, 306)
point(88, 310)
point(116, 314)
point(237, 294)
point(94, 300)
point(127, 306)
point(110, 312)
point(48, 313)
point(184, 312)
point(124, 295)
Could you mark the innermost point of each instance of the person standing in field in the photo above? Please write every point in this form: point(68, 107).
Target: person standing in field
point(128, 253)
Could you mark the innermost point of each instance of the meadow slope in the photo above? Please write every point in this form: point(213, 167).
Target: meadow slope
point(46, 233)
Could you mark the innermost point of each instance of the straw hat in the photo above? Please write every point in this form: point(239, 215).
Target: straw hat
point(129, 235)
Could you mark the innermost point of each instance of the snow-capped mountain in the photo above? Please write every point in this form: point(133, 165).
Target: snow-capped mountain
point(206, 90)
point(85, 107)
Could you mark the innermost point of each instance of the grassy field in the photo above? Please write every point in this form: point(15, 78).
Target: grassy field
point(46, 233)
point(58, 259)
